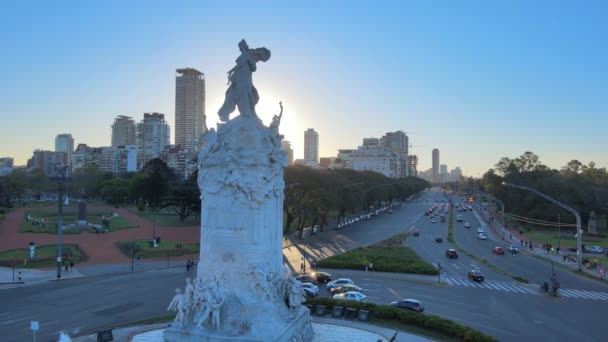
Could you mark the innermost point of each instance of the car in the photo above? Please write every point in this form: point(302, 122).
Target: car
point(416, 232)
point(513, 249)
point(433, 220)
point(321, 277)
point(438, 239)
point(351, 295)
point(312, 287)
point(339, 282)
point(475, 275)
point(346, 288)
point(390, 211)
point(498, 250)
point(459, 218)
point(451, 253)
point(409, 304)
point(481, 230)
point(306, 278)
point(482, 236)
point(467, 225)
point(309, 292)
point(594, 249)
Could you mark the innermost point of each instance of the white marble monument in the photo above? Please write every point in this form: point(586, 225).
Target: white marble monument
point(242, 292)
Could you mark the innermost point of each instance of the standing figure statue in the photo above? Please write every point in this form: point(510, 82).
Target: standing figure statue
point(276, 120)
point(241, 93)
point(178, 304)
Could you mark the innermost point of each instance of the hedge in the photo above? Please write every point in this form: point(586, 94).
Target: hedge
point(428, 322)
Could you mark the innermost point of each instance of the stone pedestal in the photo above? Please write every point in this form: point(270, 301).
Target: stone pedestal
point(241, 259)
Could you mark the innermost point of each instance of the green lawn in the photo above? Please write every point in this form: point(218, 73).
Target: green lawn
point(70, 216)
point(45, 256)
point(162, 250)
point(155, 217)
point(387, 256)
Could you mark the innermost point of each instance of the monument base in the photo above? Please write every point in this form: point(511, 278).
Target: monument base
point(299, 329)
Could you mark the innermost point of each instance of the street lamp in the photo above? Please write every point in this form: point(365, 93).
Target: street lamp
point(63, 169)
point(579, 231)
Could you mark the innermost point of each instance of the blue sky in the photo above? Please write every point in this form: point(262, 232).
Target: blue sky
point(478, 80)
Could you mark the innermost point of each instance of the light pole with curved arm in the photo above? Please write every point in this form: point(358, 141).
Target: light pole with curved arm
point(579, 231)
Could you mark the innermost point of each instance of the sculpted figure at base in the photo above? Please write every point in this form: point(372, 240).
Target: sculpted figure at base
point(178, 304)
point(241, 93)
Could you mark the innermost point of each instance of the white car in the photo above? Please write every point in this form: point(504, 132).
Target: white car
point(433, 220)
point(481, 230)
point(339, 282)
point(467, 225)
point(311, 287)
point(594, 249)
point(351, 295)
point(482, 236)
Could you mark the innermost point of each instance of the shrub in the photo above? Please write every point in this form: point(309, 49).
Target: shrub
point(431, 322)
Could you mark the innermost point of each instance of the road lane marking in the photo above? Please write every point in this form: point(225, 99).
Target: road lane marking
point(412, 227)
point(475, 266)
point(491, 285)
point(458, 267)
point(603, 295)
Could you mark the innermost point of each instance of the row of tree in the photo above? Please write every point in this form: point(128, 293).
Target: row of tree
point(583, 187)
point(312, 196)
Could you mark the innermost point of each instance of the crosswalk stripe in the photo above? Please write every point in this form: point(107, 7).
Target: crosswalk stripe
point(462, 282)
point(581, 295)
point(603, 295)
point(529, 290)
point(592, 294)
point(447, 280)
point(567, 293)
point(501, 287)
point(491, 285)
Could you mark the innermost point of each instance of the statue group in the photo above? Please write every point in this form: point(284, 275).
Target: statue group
point(242, 291)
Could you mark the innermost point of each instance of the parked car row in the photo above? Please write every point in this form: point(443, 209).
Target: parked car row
point(366, 216)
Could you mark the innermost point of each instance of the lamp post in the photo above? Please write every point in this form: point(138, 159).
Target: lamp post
point(559, 233)
point(63, 169)
point(579, 231)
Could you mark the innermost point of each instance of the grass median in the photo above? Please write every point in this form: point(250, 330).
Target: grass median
point(69, 216)
point(45, 256)
point(390, 255)
point(163, 249)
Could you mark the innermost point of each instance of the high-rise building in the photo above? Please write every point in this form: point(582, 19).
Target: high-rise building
point(286, 146)
point(152, 136)
point(6, 166)
point(371, 142)
point(123, 131)
point(49, 162)
point(189, 108)
point(413, 164)
point(395, 141)
point(116, 160)
point(382, 160)
point(435, 165)
point(65, 143)
point(456, 174)
point(398, 142)
point(311, 147)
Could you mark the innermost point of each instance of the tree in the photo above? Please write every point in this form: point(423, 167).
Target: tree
point(114, 191)
point(85, 181)
point(184, 198)
point(156, 183)
point(12, 186)
point(38, 182)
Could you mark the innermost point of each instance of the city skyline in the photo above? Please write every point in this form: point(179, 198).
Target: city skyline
point(477, 91)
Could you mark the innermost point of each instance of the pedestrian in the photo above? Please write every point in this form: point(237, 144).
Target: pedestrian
point(302, 267)
point(71, 265)
point(188, 266)
point(366, 267)
point(66, 267)
point(371, 267)
point(19, 276)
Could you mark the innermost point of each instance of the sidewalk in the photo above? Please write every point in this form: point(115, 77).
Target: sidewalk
point(513, 236)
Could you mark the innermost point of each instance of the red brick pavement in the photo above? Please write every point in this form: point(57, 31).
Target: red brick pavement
point(101, 248)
